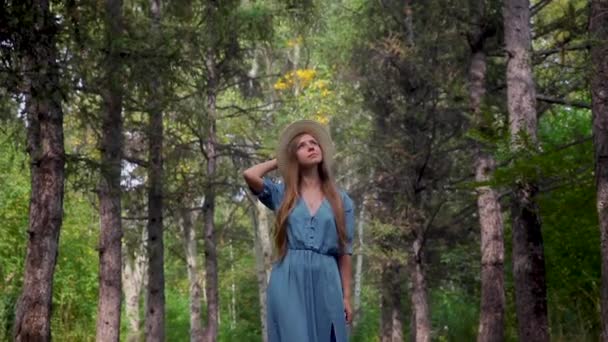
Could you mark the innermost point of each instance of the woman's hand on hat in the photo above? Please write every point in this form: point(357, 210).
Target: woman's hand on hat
point(253, 175)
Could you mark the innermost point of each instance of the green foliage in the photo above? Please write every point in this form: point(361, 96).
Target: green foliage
point(75, 281)
point(14, 201)
point(369, 315)
point(572, 244)
point(571, 237)
point(255, 20)
point(456, 314)
point(75, 286)
point(177, 314)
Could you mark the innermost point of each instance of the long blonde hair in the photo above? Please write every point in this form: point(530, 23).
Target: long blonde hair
point(292, 180)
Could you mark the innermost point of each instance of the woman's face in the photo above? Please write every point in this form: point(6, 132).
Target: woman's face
point(308, 151)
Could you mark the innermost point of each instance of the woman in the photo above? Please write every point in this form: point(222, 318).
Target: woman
point(308, 296)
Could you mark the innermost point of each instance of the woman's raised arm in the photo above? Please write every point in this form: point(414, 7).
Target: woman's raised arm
point(253, 175)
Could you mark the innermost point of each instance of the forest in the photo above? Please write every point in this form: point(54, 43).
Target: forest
point(472, 136)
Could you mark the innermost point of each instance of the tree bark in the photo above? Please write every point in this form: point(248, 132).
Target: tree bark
point(598, 27)
point(210, 244)
point(155, 314)
point(134, 272)
point(391, 316)
point(409, 22)
point(491, 315)
point(528, 253)
point(420, 305)
point(211, 271)
point(359, 267)
point(263, 258)
point(232, 288)
point(109, 192)
point(191, 249)
point(45, 146)
point(263, 246)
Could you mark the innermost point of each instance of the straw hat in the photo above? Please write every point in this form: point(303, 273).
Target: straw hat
point(316, 129)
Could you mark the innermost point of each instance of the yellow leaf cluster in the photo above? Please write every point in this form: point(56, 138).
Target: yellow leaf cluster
point(281, 85)
point(320, 84)
point(305, 75)
point(300, 77)
point(295, 41)
point(322, 118)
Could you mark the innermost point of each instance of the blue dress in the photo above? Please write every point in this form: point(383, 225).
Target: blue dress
point(304, 295)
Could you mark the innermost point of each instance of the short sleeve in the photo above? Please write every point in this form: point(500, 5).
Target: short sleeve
point(349, 213)
point(271, 194)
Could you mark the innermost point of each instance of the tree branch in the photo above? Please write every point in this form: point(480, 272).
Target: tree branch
point(576, 104)
point(544, 53)
point(135, 160)
point(538, 6)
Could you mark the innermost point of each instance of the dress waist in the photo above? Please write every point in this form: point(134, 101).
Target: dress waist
point(311, 249)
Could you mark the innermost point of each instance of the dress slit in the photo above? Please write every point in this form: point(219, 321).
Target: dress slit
point(332, 334)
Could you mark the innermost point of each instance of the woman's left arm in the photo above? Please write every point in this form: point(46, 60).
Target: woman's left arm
point(345, 259)
point(345, 265)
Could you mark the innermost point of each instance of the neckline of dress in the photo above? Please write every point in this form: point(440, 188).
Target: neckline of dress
point(308, 211)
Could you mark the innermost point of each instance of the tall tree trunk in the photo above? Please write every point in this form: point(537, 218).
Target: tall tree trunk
point(232, 288)
point(598, 26)
point(211, 286)
point(211, 271)
point(190, 247)
point(420, 305)
point(491, 315)
point(359, 267)
point(391, 316)
point(155, 314)
point(109, 192)
point(47, 159)
point(528, 253)
point(409, 22)
point(397, 322)
point(297, 48)
point(263, 246)
point(134, 272)
point(263, 258)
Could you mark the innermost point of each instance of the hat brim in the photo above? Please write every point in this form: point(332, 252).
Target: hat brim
point(314, 128)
